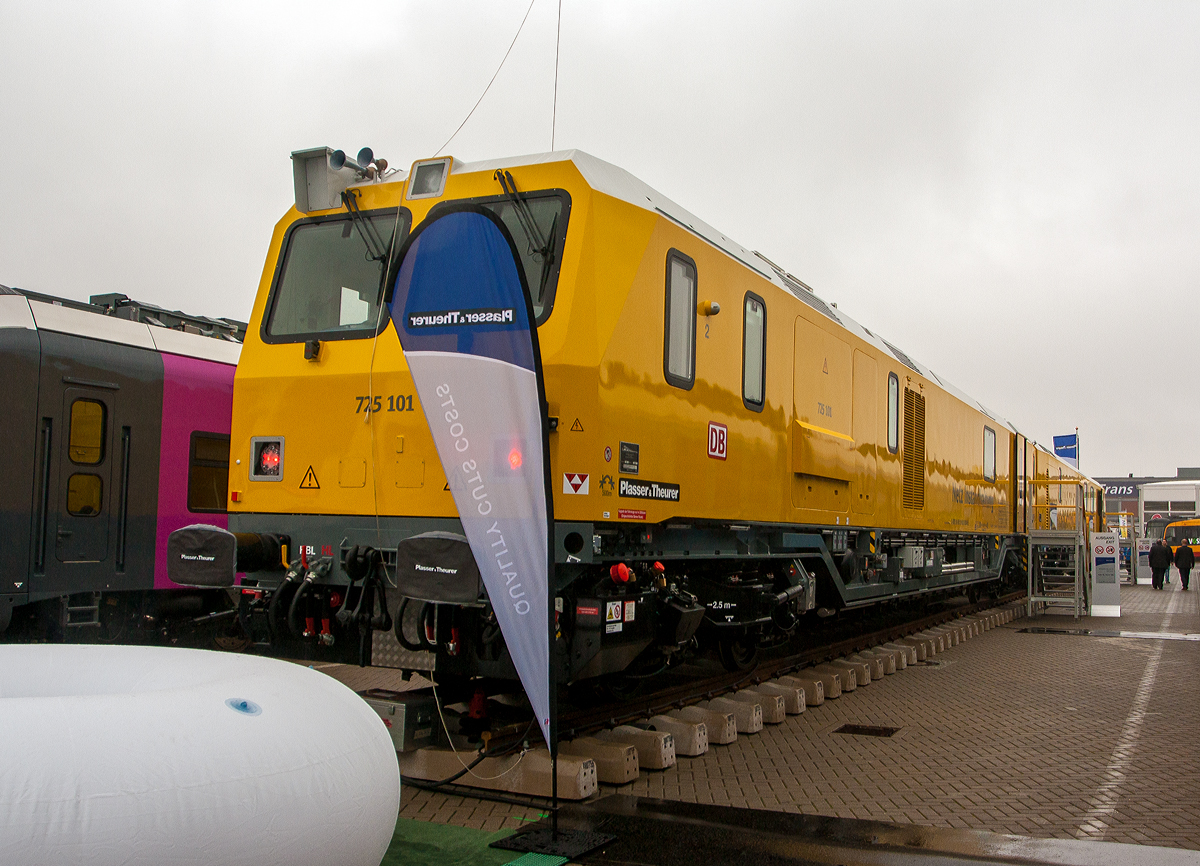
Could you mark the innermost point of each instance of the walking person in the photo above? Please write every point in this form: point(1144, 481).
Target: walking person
point(1185, 558)
point(1160, 560)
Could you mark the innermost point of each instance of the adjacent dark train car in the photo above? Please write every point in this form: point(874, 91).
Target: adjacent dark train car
point(116, 433)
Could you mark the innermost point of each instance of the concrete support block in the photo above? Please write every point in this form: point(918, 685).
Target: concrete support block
point(747, 716)
point(616, 763)
point(926, 647)
point(793, 697)
point(813, 687)
point(891, 659)
point(938, 640)
point(773, 709)
point(655, 749)
point(910, 651)
point(877, 665)
point(949, 636)
point(691, 738)
point(722, 727)
point(513, 774)
point(846, 682)
point(862, 670)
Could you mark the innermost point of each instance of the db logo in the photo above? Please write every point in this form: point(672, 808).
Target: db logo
point(718, 440)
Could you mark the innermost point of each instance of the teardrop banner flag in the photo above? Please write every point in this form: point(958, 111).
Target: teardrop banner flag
point(462, 310)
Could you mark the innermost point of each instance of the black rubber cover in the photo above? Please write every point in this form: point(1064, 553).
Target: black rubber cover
point(202, 555)
point(438, 567)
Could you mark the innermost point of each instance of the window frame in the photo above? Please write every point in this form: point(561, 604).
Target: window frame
point(762, 369)
point(993, 476)
point(284, 249)
point(194, 462)
point(893, 414)
point(483, 201)
point(679, 381)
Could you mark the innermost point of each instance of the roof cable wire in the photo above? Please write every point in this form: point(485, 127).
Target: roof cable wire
point(442, 149)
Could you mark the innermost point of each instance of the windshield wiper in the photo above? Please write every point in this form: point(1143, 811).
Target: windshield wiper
point(376, 248)
point(538, 245)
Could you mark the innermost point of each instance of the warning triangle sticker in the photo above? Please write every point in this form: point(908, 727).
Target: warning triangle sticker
point(309, 482)
point(576, 427)
point(825, 366)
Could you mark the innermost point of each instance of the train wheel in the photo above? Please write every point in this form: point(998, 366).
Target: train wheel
point(231, 638)
point(738, 654)
point(618, 687)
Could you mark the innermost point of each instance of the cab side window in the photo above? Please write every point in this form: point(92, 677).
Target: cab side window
point(754, 351)
point(679, 341)
point(893, 414)
point(989, 454)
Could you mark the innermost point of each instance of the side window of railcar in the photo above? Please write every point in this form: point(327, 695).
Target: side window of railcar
point(754, 351)
point(84, 494)
point(87, 432)
point(989, 454)
point(893, 409)
point(679, 344)
point(208, 472)
point(329, 283)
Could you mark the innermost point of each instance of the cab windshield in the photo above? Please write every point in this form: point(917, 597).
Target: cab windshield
point(1177, 535)
point(330, 282)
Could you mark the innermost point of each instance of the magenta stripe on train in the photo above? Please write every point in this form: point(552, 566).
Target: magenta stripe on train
point(197, 395)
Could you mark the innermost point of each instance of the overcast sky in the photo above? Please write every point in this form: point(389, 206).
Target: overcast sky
point(1010, 192)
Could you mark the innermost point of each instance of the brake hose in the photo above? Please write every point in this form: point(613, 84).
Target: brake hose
point(293, 573)
point(319, 569)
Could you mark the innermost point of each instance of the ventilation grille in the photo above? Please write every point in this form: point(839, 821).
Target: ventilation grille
point(903, 358)
point(914, 449)
point(805, 294)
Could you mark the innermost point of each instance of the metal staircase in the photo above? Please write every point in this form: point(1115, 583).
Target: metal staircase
point(1056, 566)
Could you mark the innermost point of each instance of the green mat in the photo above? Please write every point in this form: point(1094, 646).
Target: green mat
point(420, 843)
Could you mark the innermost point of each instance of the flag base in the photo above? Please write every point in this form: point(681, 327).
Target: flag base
point(541, 840)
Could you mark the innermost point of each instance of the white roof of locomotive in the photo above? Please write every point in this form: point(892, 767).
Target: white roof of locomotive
point(619, 183)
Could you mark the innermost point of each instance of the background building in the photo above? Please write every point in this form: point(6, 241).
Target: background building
point(1125, 506)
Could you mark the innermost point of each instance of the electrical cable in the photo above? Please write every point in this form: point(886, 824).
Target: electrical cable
point(490, 83)
point(557, 43)
point(468, 769)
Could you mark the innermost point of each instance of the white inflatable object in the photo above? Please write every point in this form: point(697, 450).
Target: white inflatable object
point(149, 755)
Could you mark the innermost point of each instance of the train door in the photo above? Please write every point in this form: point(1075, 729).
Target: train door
point(1020, 521)
point(866, 431)
point(83, 524)
point(99, 429)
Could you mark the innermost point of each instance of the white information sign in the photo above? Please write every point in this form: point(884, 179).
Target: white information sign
point(1106, 576)
point(1142, 569)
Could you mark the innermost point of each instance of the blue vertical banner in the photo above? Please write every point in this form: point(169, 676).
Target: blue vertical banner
point(462, 310)
point(1066, 448)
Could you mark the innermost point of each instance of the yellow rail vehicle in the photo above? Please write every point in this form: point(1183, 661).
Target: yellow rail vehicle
point(730, 453)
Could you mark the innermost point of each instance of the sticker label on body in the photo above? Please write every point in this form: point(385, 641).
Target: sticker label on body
point(718, 439)
point(630, 610)
point(630, 457)
point(660, 490)
point(612, 611)
point(575, 483)
point(630, 514)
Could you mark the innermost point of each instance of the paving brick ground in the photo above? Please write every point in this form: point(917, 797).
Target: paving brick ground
point(1038, 735)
